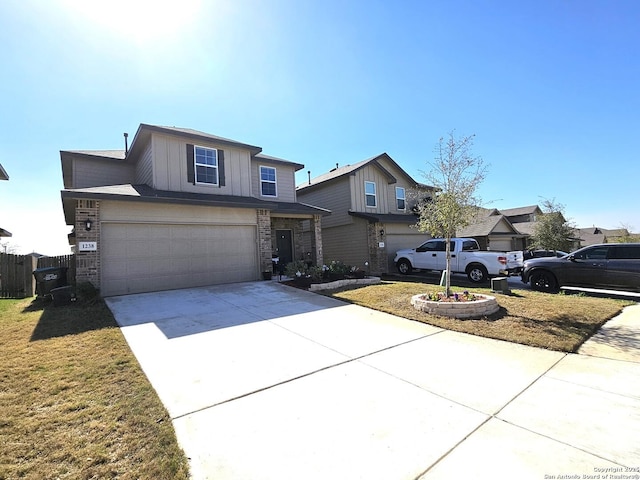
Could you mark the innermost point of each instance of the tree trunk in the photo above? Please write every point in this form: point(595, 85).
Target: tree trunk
point(447, 275)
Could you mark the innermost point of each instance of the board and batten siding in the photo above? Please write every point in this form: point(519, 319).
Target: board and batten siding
point(170, 167)
point(346, 243)
point(96, 173)
point(144, 167)
point(369, 174)
point(334, 196)
point(285, 180)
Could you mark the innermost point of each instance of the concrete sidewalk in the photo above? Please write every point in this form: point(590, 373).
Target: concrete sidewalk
point(265, 381)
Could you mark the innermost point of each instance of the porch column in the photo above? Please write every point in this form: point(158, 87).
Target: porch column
point(317, 232)
point(264, 240)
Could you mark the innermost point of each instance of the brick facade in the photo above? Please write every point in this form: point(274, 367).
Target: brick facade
point(377, 254)
point(264, 240)
point(87, 263)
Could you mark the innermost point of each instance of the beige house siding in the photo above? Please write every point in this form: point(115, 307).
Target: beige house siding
point(347, 243)
point(336, 197)
point(170, 168)
point(369, 174)
point(167, 213)
point(144, 167)
point(285, 181)
point(95, 173)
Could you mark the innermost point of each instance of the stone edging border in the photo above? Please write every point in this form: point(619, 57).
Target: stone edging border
point(344, 283)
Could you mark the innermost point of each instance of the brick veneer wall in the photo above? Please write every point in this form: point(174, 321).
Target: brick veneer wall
point(264, 239)
point(377, 254)
point(87, 263)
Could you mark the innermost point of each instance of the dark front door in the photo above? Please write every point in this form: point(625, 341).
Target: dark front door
point(284, 246)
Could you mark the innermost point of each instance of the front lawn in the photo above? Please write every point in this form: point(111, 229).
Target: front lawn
point(74, 402)
point(556, 322)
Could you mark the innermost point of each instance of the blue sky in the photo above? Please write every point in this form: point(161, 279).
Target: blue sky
point(550, 88)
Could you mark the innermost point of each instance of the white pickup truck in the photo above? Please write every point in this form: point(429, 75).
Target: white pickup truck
point(466, 257)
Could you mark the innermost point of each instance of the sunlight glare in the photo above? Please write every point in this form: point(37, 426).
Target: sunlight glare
point(139, 20)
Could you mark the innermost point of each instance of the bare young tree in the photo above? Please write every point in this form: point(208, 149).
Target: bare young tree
point(455, 175)
point(552, 231)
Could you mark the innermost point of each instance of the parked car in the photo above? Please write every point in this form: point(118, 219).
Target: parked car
point(529, 254)
point(466, 257)
point(516, 259)
point(611, 265)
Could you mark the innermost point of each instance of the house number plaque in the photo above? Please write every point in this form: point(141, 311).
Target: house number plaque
point(87, 246)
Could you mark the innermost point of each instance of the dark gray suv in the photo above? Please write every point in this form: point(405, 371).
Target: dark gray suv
point(610, 265)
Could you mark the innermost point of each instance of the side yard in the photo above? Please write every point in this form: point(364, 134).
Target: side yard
point(74, 402)
point(556, 322)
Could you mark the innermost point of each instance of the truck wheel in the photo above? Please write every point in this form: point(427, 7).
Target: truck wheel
point(477, 273)
point(404, 266)
point(544, 281)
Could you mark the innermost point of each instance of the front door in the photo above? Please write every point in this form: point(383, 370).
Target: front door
point(284, 247)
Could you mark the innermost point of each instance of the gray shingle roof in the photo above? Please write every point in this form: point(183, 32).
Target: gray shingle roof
point(349, 169)
point(111, 154)
point(512, 212)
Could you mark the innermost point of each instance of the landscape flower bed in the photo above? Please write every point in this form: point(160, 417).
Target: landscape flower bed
point(463, 305)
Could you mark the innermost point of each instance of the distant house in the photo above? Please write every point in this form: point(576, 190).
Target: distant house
point(4, 176)
point(372, 214)
point(494, 231)
point(183, 208)
point(594, 235)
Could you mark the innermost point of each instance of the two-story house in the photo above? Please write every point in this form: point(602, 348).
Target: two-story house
point(182, 208)
point(372, 218)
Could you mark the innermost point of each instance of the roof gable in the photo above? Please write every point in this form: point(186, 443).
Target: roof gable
point(339, 172)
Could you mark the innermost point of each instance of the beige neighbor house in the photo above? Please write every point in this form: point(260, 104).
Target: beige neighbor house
point(371, 210)
point(183, 208)
point(493, 231)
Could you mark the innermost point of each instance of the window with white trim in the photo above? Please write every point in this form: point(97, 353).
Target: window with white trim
point(206, 165)
point(400, 198)
point(268, 182)
point(370, 194)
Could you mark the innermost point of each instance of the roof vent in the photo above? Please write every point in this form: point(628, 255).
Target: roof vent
point(126, 143)
point(309, 174)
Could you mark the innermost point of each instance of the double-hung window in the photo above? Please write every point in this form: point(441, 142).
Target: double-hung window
point(400, 198)
point(268, 182)
point(370, 194)
point(206, 163)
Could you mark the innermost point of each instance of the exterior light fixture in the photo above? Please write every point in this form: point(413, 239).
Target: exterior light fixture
point(382, 232)
point(88, 224)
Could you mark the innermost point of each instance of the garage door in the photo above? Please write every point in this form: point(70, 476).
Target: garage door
point(149, 257)
point(400, 242)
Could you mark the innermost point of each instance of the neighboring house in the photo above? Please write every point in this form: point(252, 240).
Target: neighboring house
point(183, 208)
point(595, 235)
point(493, 231)
point(4, 176)
point(371, 209)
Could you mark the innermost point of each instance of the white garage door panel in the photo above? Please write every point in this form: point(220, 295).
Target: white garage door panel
point(501, 245)
point(400, 242)
point(145, 257)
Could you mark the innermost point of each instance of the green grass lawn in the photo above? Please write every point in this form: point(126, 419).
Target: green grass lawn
point(556, 322)
point(74, 402)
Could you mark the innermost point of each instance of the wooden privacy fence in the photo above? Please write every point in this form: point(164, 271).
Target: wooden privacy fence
point(16, 273)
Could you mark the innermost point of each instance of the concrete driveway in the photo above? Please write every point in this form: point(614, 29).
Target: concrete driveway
point(264, 381)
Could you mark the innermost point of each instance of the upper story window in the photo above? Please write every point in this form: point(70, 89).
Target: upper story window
point(400, 198)
point(268, 182)
point(370, 194)
point(206, 165)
